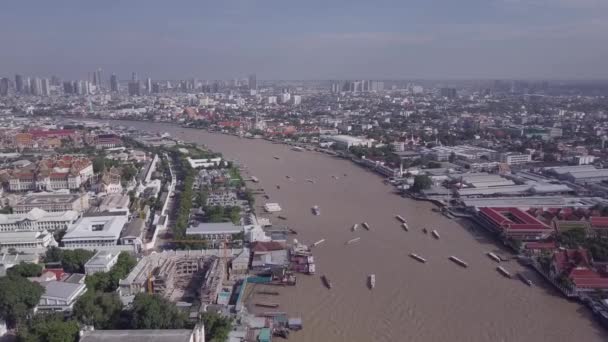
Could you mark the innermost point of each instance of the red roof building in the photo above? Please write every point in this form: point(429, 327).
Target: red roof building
point(575, 264)
point(514, 223)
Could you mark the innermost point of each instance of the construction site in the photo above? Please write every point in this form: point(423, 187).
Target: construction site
point(194, 276)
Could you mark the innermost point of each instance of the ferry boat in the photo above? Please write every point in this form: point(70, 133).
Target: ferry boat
point(355, 226)
point(524, 279)
point(316, 210)
point(503, 271)
point(351, 241)
point(297, 149)
point(365, 225)
point(318, 243)
point(282, 217)
point(400, 218)
point(267, 305)
point(493, 256)
point(417, 257)
point(435, 234)
point(458, 261)
point(326, 281)
point(372, 281)
point(404, 225)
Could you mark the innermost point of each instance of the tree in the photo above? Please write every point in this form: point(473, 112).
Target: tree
point(99, 164)
point(421, 182)
point(101, 310)
point(72, 261)
point(18, 296)
point(49, 328)
point(108, 281)
point(154, 312)
point(25, 270)
point(217, 327)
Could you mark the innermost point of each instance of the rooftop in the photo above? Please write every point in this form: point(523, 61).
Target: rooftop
point(214, 228)
point(97, 226)
point(142, 335)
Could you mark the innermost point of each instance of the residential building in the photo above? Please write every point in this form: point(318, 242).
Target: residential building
point(204, 163)
point(515, 158)
point(37, 220)
point(60, 295)
point(102, 261)
point(52, 202)
point(96, 231)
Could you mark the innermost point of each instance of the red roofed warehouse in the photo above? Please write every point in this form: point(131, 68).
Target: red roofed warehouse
point(514, 223)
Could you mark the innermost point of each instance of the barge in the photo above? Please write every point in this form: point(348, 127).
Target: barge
point(458, 261)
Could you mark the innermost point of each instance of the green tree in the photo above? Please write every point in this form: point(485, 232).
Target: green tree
point(101, 310)
point(25, 270)
point(72, 261)
point(49, 328)
point(18, 296)
point(421, 182)
point(217, 327)
point(154, 312)
point(108, 281)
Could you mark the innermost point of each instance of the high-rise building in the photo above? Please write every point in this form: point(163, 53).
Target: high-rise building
point(114, 83)
point(4, 86)
point(36, 87)
point(45, 87)
point(134, 88)
point(68, 87)
point(134, 77)
point(19, 83)
point(99, 83)
point(82, 87)
point(155, 87)
point(450, 93)
point(149, 85)
point(55, 81)
point(285, 97)
point(27, 85)
point(253, 82)
point(297, 99)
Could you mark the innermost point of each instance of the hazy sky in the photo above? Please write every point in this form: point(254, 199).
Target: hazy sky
point(307, 39)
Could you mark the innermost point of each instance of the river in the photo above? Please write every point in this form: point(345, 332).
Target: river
point(436, 301)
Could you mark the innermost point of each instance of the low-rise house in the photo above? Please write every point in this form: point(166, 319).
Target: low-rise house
point(60, 295)
point(133, 234)
point(575, 266)
point(223, 198)
point(102, 261)
point(268, 254)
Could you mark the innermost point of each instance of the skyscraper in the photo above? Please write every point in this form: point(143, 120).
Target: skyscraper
point(114, 83)
point(45, 87)
point(134, 88)
point(36, 86)
point(4, 86)
point(19, 83)
point(99, 83)
point(450, 93)
point(253, 82)
point(68, 88)
point(155, 87)
point(134, 77)
point(149, 85)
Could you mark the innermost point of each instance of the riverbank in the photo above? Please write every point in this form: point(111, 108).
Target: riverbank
point(434, 301)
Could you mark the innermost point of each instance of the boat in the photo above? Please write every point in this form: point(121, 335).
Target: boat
point(351, 241)
point(268, 292)
point(417, 257)
point(318, 243)
point(493, 256)
point(524, 279)
point(458, 261)
point(400, 218)
point(424, 230)
point(345, 175)
point(254, 179)
point(316, 210)
point(372, 281)
point(503, 271)
point(435, 234)
point(365, 225)
point(267, 305)
point(282, 217)
point(297, 149)
point(266, 197)
point(288, 177)
point(404, 225)
point(276, 157)
point(278, 186)
point(355, 226)
point(311, 181)
point(326, 281)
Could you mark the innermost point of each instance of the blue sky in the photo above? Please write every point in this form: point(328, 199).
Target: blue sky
point(382, 39)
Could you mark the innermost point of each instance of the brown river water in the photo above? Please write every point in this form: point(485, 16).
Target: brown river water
point(436, 301)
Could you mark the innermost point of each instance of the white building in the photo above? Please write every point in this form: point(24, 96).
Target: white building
point(60, 295)
point(204, 163)
point(102, 261)
point(584, 160)
point(27, 241)
point(272, 207)
point(215, 231)
point(297, 99)
point(37, 220)
point(347, 141)
point(511, 158)
point(52, 202)
point(96, 231)
point(272, 100)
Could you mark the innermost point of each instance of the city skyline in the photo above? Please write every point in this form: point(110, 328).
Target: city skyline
point(500, 39)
